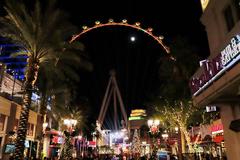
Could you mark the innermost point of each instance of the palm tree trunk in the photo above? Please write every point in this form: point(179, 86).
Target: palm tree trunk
point(67, 148)
point(31, 76)
point(43, 112)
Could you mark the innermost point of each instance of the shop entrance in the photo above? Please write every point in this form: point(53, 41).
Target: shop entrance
point(30, 149)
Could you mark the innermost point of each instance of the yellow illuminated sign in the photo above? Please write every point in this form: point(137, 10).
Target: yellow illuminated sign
point(137, 114)
point(138, 111)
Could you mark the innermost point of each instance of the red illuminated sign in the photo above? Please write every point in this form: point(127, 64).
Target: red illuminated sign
point(217, 127)
point(92, 143)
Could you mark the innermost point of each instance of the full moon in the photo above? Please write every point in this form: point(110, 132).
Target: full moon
point(132, 38)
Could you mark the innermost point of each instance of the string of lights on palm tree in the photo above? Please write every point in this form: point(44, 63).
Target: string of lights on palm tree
point(137, 25)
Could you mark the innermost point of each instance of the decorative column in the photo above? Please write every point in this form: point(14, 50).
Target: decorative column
point(231, 138)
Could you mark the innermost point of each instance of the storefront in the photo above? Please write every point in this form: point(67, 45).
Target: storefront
point(209, 139)
point(3, 120)
point(5, 106)
point(218, 138)
point(217, 81)
point(52, 143)
point(9, 119)
point(219, 84)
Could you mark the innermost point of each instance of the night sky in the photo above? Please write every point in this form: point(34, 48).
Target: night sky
point(136, 63)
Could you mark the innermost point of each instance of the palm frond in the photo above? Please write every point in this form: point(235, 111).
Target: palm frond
point(19, 53)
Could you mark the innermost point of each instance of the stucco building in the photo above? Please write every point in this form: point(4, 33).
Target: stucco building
point(10, 109)
point(217, 81)
point(9, 117)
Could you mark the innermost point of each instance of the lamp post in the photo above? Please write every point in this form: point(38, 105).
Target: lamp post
point(153, 125)
point(177, 140)
point(44, 125)
point(153, 129)
point(70, 123)
point(45, 141)
point(67, 148)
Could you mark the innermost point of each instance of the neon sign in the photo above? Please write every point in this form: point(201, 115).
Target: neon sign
point(214, 68)
point(218, 128)
point(135, 118)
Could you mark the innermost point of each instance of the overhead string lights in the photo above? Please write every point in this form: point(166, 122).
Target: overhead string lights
point(124, 22)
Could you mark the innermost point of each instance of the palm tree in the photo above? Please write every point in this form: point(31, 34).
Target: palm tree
point(62, 109)
point(54, 80)
point(40, 33)
point(58, 76)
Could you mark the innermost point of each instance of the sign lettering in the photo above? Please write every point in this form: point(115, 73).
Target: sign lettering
point(214, 68)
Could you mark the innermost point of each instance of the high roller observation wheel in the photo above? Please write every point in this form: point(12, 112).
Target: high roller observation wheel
point(136, 25)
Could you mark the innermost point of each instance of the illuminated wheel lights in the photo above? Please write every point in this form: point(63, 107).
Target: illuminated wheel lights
point(136, 25)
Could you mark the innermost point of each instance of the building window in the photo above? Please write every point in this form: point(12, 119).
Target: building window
point(2, 122)
point(30, 129)
point(228, 18)
point(15, 128)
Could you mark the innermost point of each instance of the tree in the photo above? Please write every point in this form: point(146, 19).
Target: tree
point(41, 34)
point(136, 144)
point(59, 76)
point(66, 153)
point(52, 85)
point(177, 114)
point(174, 75)
point(78, 115)
point(174, 99)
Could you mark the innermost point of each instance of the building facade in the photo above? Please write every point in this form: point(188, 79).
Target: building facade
point(10, 110)
point(9, 118)
point(217, 81)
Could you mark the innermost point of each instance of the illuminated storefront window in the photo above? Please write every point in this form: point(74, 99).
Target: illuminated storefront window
point(30, 129)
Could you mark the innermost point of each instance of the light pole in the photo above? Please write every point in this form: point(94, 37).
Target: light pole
point(67, 148)
point(153, 129)
point(70, 123)
point(153, 125)
point(165, 138)
point(45, 141)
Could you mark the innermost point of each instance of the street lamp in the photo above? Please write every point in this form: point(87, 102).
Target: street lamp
point(164, 136)
point(70, 123)
point(176, 129)
point(153, 127)
point(44, 125)
point(67, 150)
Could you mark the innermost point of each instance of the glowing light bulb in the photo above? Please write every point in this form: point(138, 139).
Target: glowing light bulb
point(84, 27)
point(97, 22)
point(110, 20)
point(124, 21)
point(137, 24)
point(149, 29)
point(161, 37)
